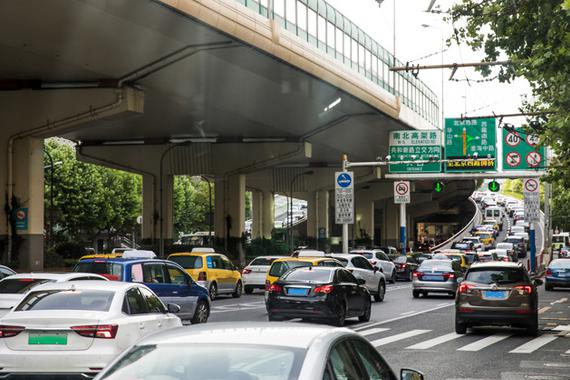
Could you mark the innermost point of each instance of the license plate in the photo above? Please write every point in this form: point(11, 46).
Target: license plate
point(59, 339)
point(495, 294)
point(431, 278)
point(297, 291)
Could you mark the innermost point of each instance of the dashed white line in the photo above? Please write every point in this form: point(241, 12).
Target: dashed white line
point(408, 312)
point(434, 342)
point(485, 342)
point(374, 324)
point(397, 337)
point(533, 345)
point(373, 331)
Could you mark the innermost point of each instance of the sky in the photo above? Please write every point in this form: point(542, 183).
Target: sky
point(414, 41)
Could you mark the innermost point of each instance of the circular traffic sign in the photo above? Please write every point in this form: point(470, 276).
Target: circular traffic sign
point(344, 180)
point(530, 185)
point(21, 215)
point(513, 159)
point(402, 188)
point(533, 159)
point(513, 138)
point(532, 140)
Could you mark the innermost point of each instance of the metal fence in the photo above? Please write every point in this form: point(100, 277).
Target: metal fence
point(324, 27)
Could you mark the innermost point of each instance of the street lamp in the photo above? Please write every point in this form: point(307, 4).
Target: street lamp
point(290, 211)
point(442, 62)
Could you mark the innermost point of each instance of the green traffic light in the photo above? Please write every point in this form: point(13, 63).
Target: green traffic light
point(438, 187)
point(494, 186)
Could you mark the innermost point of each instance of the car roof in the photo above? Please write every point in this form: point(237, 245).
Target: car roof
point(346, 255)
point(269, 257)
point(497, 264)
point(123, 260)
point(53, 276)
point(285, 334)
point(196, 254)
point(88, 284)
point(304, 259)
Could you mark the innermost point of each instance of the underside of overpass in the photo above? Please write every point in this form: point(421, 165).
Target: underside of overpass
point(191, 88)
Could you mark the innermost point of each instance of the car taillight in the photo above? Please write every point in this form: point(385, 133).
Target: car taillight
point(202, 276)
point(324, 289)
point(97, 331)
point(447, 276)
point(402, 266)
point(465, 288)
point(246, 271)
point(417, 274)
point(526, 289)
point(275, 289)
point(10, 331)
point(548, 272)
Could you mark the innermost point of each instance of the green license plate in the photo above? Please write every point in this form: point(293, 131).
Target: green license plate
point(53, 339)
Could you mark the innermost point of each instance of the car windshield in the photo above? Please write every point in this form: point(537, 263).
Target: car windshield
point(498, 276)
point(62, 299)
point(20, 285)
point(208, 361)
point(401, 259)
point(309, 275)
point(188, 262)
point(460, 246)
point(263, 261)
point(560, 263)
point(484, 236)
point(504, 246)
point(280, 267)
point(113, 271)
point(368, 255)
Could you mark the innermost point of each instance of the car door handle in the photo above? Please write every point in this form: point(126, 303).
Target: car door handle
point(141, 326)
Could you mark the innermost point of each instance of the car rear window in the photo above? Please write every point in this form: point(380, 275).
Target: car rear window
point(368, 255)
point(20, 285)
point(308, 275)
point(497, 276)
point(262, 261)
point(63, 299)
point(112, 271)
point(188, 262)
point(460, 246)
point(280, 267)
point(401, 259)
point(455, 258)
point(431, 264)
point(564, 263)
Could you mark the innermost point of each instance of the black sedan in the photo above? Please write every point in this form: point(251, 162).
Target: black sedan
point(405, 267)
point(319, 293)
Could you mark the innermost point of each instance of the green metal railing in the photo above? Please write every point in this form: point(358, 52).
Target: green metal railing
point(324, 27)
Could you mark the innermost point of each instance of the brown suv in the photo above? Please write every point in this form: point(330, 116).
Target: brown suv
point(497, 293)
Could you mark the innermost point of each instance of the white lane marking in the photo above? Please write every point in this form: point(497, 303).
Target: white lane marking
point(408, 312)
point(435, 341)
point(443, 304)
point(562, 328)
point(485, 342)
point(533, 345)
point(373, 331)
point(561, 300)
point(397, 337)
point(568, 352)
point(544, 310)
point(374, 324)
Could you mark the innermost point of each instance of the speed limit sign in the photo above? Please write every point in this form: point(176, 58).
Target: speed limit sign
point(513, 138)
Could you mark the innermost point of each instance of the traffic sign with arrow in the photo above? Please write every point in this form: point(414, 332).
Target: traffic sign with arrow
point(494, 186)
point(438, 186)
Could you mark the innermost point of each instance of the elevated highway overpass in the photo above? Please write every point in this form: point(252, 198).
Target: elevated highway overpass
point(247, 95)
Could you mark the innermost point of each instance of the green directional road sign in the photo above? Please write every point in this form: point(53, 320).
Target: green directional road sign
point(470, 145)
point(438, 186)
point(522, 151)
point(414, 145)
point(494, 186)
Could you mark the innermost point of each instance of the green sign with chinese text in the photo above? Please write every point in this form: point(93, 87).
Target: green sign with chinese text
point(412, 145)
point(470, 145)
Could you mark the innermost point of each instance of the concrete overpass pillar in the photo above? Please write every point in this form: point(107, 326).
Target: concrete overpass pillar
point(28, 203)
point(263, 210)
point(364, 219)
point(151, 210)
point(256, 214)
point(229, 213)
point(318, 214)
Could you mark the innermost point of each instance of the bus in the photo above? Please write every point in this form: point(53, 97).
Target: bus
point(560, 240)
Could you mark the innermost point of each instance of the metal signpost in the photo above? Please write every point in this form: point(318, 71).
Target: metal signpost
point(344, 203)
point(531, 190)
point(402, 197)
point(415, 146)
point(470, 145)
point(521, 151)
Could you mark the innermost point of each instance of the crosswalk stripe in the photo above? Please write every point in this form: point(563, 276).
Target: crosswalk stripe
point(485, 342)
point(397, 337)
point(373, 331)
point(534, 344)
point(434, 342)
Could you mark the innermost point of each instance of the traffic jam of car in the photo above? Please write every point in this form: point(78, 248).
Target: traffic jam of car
point(117, 310)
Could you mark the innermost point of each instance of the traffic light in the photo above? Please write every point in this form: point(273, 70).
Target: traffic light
point(494, 186)
point(438, 186)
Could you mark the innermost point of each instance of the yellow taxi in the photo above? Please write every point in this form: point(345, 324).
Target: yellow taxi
point(486, 238)
point(212, 270)
point(458, 258)
point(280, 266)
point(102, 256)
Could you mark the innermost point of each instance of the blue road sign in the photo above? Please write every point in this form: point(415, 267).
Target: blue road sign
point(344, 180)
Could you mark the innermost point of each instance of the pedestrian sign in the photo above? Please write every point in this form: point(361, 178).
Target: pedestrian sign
point(344, 197)
point(494, 186)
point(438, 186)
point(470, 145)
point(522, 150)
point(410, 145)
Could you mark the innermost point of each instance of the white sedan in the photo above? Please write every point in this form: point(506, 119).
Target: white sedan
point(380, 260)
point(254, 274)
point(14, 288)
point(361, 268)
point(76, 328)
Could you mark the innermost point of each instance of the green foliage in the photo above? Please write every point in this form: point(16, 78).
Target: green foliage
point(266, 247)
point(69, 250)
point(534, 34)
point(191, 202)
point(560, 207)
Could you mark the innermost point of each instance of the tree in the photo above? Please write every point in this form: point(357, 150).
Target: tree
point(533, 34)
point(191, 204)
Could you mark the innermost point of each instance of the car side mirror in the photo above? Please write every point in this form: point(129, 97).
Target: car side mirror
point(378, 269)
point(360, 281)
point(538, 282)
point(410, 374)
point(173, 308)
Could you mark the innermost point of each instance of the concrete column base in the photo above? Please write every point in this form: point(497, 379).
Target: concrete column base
point(31, 253)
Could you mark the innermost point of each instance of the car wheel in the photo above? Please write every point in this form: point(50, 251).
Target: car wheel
point(201, 313)
point(460, 327)
point(532, 329)
point(341, 316)
point(393, 277)
point(238, 290)
point(379, 297)
point(213, 291)
point(248, 289)
point(425, 294)
point(416, 293)
point(367, 312)
point(273, 318)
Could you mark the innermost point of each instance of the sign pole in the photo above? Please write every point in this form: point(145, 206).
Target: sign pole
point(344, 225)
point(403, 228)
point(532, 239)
